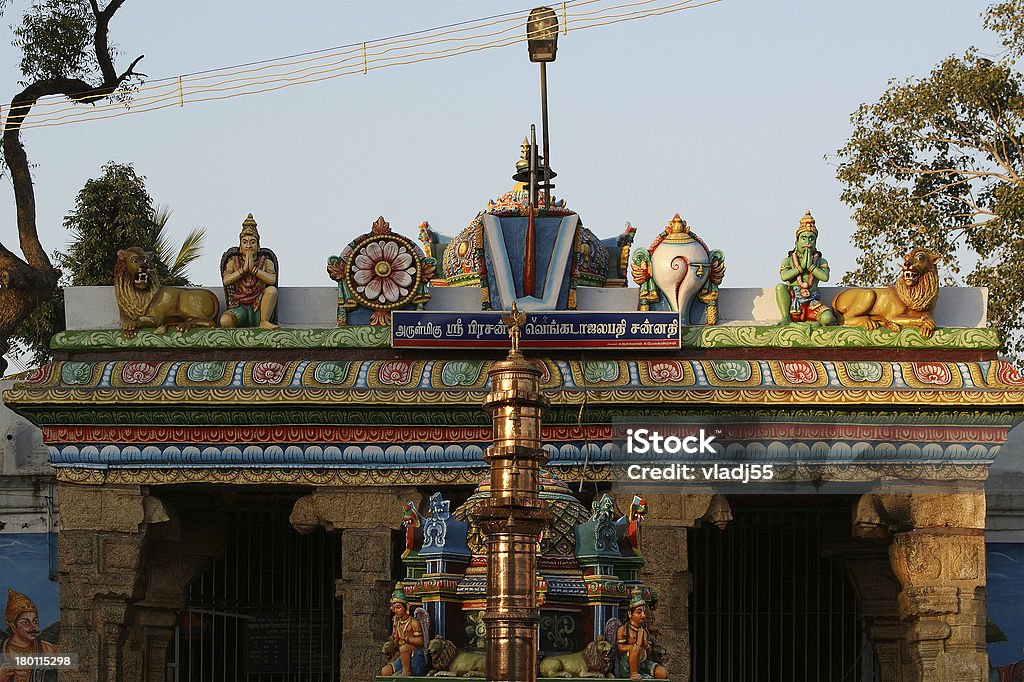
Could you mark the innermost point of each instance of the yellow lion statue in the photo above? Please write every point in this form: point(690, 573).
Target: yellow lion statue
point(142, 302)
point(448, 661)
point(909, 302)
point(593, 661)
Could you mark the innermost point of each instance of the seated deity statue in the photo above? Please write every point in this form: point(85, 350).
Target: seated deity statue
point(633, 644)
point(249, 274)
point(797, 295)
point(409, 634)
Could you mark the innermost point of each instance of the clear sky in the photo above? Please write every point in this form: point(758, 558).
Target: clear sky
point(724, 114)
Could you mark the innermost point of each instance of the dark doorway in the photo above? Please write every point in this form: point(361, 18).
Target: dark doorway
point(767, 607)
point(266, 612)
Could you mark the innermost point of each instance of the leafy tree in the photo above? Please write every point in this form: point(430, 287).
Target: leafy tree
point(65, 52)
point(938, 162)
point(114, 211)
point(111, 212)
point(190, 249)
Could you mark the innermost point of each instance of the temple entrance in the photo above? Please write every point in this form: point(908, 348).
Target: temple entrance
point(767, 606)
point(267, 611)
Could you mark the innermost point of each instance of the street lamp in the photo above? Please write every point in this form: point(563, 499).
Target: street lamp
point(542, 34)
point(542, 42)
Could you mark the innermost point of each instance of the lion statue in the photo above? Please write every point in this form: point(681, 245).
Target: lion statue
point(447, 661)
point(909, 302)
point(142, 302)
point(594, 661)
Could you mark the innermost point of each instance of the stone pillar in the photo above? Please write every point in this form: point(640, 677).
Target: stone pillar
point(667, 567)
point(150, 641)
point(365, 517)
point(937, 553)
point(943, 603)
point(175, 558)
point(364, 590)
point(877, 589)
point(100, 552)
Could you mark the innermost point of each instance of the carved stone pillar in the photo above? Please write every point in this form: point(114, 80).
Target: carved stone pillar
point(100, 553)
point(667, 567)
point(365, 517)
point(877, 589)
point(364, 590)
point(938, 555)
point(943, 603)
point(175, 559)
point(149, 642)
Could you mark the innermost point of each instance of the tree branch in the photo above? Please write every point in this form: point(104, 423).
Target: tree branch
point(30, 281)
point(960, 145)
point(953, 171)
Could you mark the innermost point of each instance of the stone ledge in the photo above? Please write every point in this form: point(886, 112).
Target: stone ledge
point(279, 339)
point(805, 336)
point(696, 337)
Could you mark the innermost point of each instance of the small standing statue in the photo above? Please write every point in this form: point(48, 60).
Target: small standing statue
point(798, 296)
point(514, 320)
point(249, 274)
point(407, 648)
point(633, 643)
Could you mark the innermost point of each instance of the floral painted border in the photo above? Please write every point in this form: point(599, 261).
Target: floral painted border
point(461, 380)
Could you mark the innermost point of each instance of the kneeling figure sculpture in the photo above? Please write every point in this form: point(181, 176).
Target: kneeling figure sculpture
point(406, 648)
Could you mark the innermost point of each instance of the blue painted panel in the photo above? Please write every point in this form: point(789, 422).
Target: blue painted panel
point(1006, 600)
point(27, 560)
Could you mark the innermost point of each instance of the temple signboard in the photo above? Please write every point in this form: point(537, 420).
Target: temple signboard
point(561, 329)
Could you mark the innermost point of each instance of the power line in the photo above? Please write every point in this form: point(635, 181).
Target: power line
point(441, 42)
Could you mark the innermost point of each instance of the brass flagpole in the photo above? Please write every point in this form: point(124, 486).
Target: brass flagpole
point(514, 517)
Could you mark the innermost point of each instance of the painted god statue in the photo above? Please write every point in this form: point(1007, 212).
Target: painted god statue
point(802, 270)
point(249, 274)
point(633, 644)
point(407, 647)
point(677, 270)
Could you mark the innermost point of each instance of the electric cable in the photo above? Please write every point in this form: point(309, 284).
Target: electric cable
point(321, 65)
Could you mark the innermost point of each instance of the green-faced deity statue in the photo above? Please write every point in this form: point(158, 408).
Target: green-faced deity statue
point(803, 269)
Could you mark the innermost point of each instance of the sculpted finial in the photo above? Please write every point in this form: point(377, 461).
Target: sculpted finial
point(678, 225)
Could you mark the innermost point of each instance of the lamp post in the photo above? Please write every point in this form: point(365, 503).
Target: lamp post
point(542, 41)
